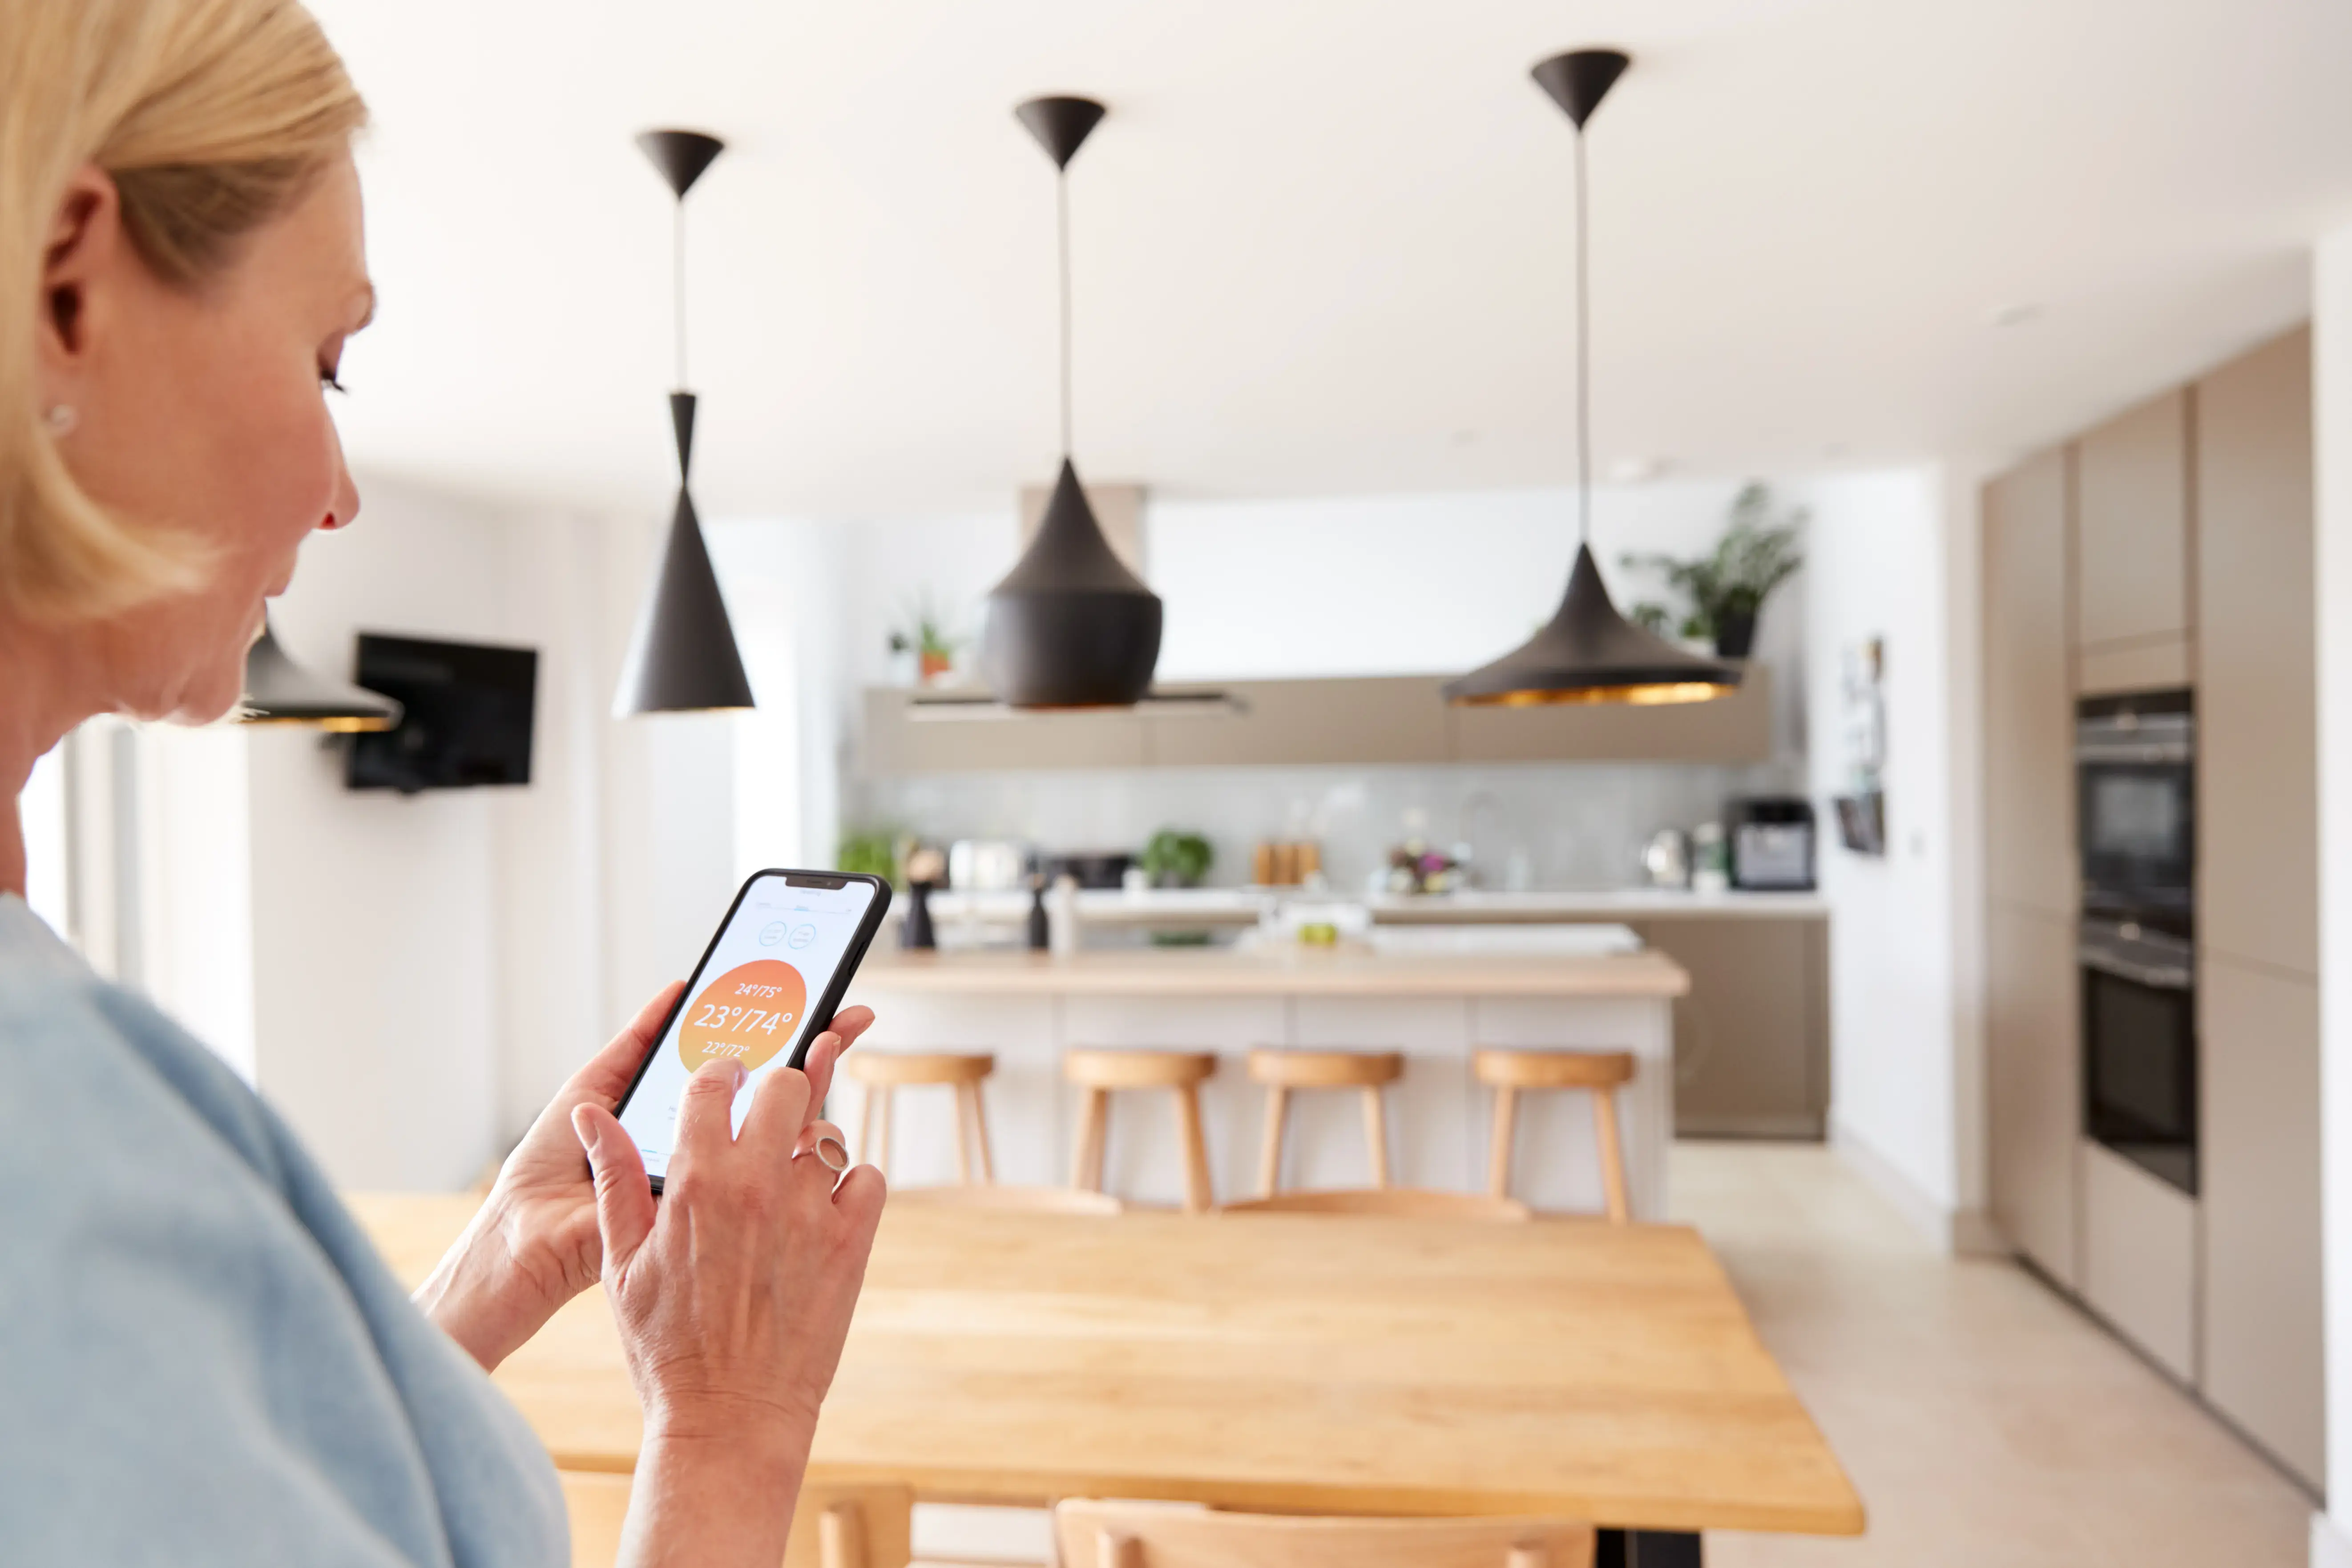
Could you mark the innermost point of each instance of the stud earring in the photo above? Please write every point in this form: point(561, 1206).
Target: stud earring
point(61, 418)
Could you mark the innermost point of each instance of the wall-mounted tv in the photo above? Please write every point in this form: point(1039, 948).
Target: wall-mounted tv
point(466, 713)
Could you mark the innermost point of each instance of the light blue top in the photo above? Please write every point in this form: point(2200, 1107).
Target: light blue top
point(203, 1361)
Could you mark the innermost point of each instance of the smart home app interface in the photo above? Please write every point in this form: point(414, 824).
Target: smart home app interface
point(749, 1001)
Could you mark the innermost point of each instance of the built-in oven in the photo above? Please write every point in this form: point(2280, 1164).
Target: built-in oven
point(2134, 759)
point(2136, 762)
point(2140, 1045)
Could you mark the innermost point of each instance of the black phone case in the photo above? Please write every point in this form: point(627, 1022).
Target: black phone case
point(826, 1006)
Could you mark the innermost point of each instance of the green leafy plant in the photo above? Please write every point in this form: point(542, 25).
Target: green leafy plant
point(923, 631)
point(1728, 586)
point(1176, 860)
point(872, 852)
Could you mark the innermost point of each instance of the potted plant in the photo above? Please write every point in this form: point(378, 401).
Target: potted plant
point(1728, 586)
point(1176, 860)
point(924, 635)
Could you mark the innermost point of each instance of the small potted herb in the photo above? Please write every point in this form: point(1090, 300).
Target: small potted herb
point(925, 636)
point(1176, 860)
point(1728, 586)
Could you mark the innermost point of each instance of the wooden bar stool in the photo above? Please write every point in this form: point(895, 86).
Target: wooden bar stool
point(1507, 1072)
point(1285, 1070)
point(884, 1073)
point(1100, 1072)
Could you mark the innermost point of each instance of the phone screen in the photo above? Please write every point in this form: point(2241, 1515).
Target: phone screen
point(753, 999)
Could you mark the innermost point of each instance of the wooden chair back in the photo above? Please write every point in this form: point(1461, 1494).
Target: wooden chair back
point(1021, 1200)
point(1094, 1534)
point(1397, 1203)
point(833, 1527)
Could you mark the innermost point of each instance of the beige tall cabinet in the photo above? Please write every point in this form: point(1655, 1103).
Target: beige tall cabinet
point(2168, 546)
point(2258, 902)
point(2034, 1100)
point(2135, 616)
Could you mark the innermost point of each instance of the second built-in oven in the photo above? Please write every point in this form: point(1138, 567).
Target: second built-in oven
point(2139, 1047)
point(2135, 758)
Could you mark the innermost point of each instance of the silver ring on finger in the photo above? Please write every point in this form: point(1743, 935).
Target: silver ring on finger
point(831, 1152)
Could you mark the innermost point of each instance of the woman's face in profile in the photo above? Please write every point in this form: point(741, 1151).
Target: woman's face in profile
point(204, 410)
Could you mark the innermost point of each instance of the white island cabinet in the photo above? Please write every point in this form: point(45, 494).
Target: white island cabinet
point(1434, 1006)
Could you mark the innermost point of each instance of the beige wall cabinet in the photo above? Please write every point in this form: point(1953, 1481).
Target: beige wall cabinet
point(2257, 702)
point(1401, 719)
point(2258, 901)
point(2032, 1014)
point(2033, 1032)
point(1735, 728)
point(898, 741)
point(1751, 1037)
point(1303, 722)
point(2028, 715)
point(2259, 1134)
point(2139, 1247)
point(2134, 608)
point(2171, 546)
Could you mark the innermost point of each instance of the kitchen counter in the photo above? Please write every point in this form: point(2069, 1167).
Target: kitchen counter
point(1433, 996)
point(1287, 970)
point(1209, 908)
point(1603, 904)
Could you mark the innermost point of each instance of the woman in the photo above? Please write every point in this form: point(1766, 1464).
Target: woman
point(201, 1359)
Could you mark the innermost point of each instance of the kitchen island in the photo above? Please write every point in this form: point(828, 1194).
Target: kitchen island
point(1433, 1001)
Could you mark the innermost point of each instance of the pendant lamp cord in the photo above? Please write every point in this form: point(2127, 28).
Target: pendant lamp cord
point(677, 285)
point(1062, 221)
point(1583, 365)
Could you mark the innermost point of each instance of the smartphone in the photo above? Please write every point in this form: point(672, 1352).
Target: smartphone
point(769, 984)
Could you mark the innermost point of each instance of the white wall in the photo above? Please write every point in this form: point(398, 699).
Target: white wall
point(2331, 352)
point(1878, 567)
point(1328, 585)
point(1358, 585)
point(408, 978)
point(377, 942)
point(41, 813)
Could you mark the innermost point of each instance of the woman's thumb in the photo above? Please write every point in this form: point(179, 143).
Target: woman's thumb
point(625, 1201)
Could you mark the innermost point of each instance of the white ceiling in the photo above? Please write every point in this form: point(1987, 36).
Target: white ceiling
point(1322, 245)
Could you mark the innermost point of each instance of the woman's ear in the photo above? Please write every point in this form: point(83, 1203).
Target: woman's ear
point(84, 247)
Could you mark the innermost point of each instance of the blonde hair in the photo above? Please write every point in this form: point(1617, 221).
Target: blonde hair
point(211, 117)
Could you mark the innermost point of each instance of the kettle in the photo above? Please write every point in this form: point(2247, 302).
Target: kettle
point(1667, 858)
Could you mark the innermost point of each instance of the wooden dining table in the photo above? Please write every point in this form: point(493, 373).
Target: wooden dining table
point(1281, 1363)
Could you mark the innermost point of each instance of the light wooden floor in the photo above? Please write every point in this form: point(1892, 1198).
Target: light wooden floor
point(1984, 1420)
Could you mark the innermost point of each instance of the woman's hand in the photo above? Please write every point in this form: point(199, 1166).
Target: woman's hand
point(534, 1245)
point(732, 1295)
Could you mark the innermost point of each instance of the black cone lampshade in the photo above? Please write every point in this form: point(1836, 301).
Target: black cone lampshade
point(1069, 627)
point(1588, 652)
point(682, 656)
point(279, 691)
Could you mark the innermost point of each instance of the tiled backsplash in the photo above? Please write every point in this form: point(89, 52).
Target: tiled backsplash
point(1541, 826)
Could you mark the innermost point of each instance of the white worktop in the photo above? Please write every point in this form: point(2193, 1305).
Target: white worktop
point(1415, 969)
point(1211, 906)
point(1601, 904)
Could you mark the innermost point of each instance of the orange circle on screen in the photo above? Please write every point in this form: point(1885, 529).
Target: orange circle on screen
point(747, 1014)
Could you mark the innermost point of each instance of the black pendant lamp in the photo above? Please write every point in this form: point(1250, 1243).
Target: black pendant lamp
point(279, 691)
point(1070, 627)
point(1588, 652)
point(682, 656)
